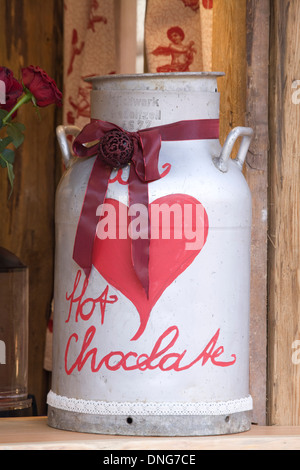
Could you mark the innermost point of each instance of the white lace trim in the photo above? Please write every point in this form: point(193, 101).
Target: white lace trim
point(146, 409)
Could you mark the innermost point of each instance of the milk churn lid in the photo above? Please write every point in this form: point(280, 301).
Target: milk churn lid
point(9, 261)
point(148, 76)
point(187, 81)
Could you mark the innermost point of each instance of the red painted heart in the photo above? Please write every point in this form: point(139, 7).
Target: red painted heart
point(169, 255)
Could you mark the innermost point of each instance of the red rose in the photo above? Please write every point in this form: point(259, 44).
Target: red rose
point(42, 87)
point(13, 88)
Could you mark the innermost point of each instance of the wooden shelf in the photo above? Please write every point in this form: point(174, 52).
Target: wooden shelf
point(34, 434)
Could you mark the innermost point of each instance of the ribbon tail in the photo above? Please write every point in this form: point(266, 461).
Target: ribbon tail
point(86, 229)
point(140, 247)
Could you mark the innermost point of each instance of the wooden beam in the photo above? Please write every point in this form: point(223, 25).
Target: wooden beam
point(240, 49)
point(30, 34)
point(127, 35)
point(256, 173)
point(284, 232)
point(229, 56)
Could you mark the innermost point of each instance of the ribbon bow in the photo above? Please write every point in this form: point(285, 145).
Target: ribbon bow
point(142, 149)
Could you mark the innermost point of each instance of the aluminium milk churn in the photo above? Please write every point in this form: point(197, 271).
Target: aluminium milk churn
point(152, 267)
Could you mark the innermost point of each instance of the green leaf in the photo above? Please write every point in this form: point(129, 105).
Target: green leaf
point(3, 113)
point(15, 132)
point(33, 99)
point(11, 176)
point(6, 160)
point(2, 162)
point(5, 142)
point(8, 155)
point(20, 126)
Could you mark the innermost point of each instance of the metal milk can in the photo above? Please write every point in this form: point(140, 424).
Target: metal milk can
point(151, 303)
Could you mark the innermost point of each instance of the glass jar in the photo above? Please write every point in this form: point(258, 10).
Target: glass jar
point(13, 334)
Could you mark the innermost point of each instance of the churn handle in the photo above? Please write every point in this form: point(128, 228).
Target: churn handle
point(61, 134)
point(221, 162)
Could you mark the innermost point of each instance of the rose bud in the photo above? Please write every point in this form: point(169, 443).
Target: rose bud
point(42, 87)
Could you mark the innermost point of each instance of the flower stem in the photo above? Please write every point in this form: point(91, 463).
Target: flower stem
point(25, 99)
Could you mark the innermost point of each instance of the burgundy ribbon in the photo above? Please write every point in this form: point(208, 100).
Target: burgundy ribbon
point(143, 169)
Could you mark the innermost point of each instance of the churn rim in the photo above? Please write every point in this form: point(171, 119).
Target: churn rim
point(154, 75)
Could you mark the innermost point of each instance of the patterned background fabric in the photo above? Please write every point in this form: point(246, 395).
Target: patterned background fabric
point(89, 49)
point(178, 35)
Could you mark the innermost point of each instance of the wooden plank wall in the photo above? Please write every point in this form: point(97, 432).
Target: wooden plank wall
point(240, 49)
point(284, 206)
point(31, 33)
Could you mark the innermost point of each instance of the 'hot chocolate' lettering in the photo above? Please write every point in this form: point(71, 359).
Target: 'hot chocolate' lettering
point(159, 358)
point(85, 308)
